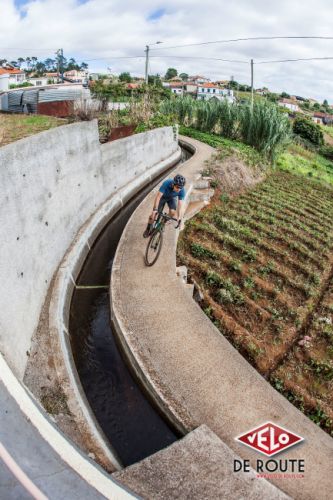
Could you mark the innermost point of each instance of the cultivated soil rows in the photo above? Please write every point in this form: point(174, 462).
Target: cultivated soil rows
point(264, 262)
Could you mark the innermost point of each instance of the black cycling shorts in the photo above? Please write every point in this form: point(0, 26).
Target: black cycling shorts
point(172, 203)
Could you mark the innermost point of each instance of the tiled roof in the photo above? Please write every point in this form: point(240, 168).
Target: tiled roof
point(10, 71)
point(319, 114)
point(209, 85)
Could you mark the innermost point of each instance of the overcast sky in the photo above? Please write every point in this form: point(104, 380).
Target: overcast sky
point(91, 29)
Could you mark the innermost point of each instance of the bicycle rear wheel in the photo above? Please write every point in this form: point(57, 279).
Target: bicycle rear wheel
point(153, 249)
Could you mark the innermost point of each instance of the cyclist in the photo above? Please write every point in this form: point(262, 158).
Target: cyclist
point(170, 190)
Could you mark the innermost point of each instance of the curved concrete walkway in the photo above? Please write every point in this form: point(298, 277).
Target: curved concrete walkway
point(191, 370)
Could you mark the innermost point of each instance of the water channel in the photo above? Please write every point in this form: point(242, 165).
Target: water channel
point(128, 418)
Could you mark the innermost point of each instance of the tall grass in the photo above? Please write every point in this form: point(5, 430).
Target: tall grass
point(264, 127)
point(261, 126)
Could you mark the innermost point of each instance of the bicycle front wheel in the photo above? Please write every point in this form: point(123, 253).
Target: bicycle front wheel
point(153, 249)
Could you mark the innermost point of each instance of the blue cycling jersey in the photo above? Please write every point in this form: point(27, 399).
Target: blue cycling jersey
point(168, 192)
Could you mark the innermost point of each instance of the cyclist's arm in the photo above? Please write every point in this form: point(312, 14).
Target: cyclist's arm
point(155, 206)
point(157, 200)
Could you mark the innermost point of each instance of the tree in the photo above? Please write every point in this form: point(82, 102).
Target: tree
point(184, 76)
point(309, 131)
point(285, 95)
point(233, 84)
point(40, 68)
point(34, 61)
point(50, 64)
point(155, 80)
point(325, 103)
point(125, 77)
point(271, 96)
point(171, 73)
point(20, 61)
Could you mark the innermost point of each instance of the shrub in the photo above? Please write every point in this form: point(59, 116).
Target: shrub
point(327, 152)
point(309, 131)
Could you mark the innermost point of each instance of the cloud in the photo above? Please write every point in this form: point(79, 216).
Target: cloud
point(109, 29)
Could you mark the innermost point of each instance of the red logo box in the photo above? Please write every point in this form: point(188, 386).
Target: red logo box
point(269, 439)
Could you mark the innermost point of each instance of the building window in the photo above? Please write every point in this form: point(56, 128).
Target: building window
point(38, 83)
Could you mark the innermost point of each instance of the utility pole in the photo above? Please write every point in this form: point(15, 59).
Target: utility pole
point(252, 82)
point(58, 65)
point(62, 65)
point(147, 62)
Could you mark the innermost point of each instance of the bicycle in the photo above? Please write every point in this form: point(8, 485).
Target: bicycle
point(154, 244)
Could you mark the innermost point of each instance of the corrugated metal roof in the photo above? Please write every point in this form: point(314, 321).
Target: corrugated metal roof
point(62, 94)
point(27, 100)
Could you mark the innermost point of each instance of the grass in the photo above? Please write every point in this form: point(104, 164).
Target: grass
point(247, 95)
point(328, 130)
point(227, 147)
point(17, 126)
point(300, 161)
point(295, 159)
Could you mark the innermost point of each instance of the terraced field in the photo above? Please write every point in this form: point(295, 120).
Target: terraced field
point(264, 262)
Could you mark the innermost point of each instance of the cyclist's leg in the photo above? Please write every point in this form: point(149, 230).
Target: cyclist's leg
point(152, 220)
point(172, 204)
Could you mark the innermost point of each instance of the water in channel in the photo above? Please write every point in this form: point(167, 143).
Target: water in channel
point(130, 422)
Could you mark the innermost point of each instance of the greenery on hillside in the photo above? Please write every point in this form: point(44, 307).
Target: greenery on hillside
point(261, 125)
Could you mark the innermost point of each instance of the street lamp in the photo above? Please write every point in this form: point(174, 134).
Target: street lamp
point(147, 59)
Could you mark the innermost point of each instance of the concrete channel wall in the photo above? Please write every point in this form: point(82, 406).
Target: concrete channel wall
point(51, 185)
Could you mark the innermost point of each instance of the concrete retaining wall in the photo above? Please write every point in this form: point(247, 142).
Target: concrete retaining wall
point(51, 184)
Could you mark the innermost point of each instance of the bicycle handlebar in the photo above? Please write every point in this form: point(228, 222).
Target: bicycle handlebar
point(166, 216)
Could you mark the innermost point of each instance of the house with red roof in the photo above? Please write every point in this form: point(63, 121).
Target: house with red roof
point(208, 91)
point(322, 118)
point(16, 76)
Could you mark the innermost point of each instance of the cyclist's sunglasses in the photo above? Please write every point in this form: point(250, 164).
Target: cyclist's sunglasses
point(176, 186)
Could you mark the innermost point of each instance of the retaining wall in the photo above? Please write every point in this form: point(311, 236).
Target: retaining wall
point(51, 184)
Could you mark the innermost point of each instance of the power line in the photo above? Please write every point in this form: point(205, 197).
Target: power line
point(114, 57)
point(249, 39)
point(205, 58)
point(296, 60)
point(170, 56)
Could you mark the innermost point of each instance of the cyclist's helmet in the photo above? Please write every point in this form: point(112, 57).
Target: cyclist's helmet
point(179, 180)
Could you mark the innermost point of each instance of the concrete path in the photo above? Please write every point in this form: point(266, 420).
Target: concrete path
point(196, 467)
point(191, 370)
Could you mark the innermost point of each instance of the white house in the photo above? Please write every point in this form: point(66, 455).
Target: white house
point(39, 81)
point(177, 88)
point(209, 91)
point(77, 76)
point(16, 76)
point(4, 81)
point(289, 104)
